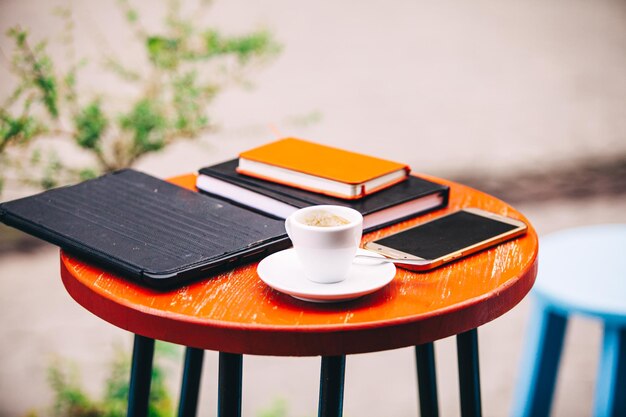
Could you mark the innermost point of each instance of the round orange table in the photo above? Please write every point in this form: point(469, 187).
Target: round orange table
point(235, 313)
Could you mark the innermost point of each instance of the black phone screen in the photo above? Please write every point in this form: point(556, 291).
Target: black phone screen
point(448, 234)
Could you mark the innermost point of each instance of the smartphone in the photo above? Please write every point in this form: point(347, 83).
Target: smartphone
point(448, 238)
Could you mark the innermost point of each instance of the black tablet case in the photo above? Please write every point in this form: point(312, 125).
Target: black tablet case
point(146, 228)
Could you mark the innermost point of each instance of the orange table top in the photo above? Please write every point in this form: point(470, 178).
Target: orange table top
point(236, 312)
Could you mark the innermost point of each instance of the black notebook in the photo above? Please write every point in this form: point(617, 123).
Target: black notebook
point(146, 228)
point(401, 201)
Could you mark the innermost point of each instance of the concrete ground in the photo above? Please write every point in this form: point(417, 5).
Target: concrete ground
point(454, 89)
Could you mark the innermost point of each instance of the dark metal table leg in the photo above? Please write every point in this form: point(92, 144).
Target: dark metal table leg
point(331, 386)
point(229, 385)
point(191, 382)
point(140, 376)
point(469, 374)
point(426, 380)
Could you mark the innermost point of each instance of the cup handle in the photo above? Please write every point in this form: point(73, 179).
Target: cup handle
point(288, 226)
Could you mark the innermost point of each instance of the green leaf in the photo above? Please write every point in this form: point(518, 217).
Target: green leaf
point(35, 157)
point(190, 101)
point(163, 52)
point(35, 68)
point(87, 174)
point(44, 78)
point(120, 70)
point(277, 409)
point(18, 34)
point(70, 399)
point(148, 124)
point(51, 172)
point(48, 87)
point(132, 15)
point(19, 130)
point(69, 82)
point(245, 47)
point(168, 350)
point(116, 385)
point(90, 124)
point(255, 44)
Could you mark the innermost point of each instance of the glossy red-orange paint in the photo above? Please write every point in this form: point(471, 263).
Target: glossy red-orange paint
point(236, 312)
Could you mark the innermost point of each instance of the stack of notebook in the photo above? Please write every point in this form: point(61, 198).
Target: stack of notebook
point(283, 176)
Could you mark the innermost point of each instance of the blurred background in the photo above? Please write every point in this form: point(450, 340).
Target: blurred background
point(523, 99)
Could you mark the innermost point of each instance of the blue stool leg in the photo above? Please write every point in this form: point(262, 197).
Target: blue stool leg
point(542, 353)
point(610, 396)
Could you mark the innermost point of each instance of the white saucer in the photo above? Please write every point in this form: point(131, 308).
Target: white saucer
point(283, 272)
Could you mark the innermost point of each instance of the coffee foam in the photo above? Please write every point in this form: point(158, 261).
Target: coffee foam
point(323, 218)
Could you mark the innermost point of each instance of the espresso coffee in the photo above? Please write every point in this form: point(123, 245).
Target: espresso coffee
point(323, 218)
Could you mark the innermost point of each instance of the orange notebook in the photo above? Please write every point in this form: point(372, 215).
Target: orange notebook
point(320, 168)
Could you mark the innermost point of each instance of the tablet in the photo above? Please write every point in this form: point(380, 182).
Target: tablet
point(147, 229)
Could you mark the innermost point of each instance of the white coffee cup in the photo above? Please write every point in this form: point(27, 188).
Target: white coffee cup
point(325, 252)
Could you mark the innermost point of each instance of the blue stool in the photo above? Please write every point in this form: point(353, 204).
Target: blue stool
point(581, 271)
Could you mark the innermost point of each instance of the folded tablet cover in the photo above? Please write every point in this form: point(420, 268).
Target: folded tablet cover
point(144, 227)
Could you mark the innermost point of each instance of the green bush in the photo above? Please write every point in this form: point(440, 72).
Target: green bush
point(186, 67)
point(71, 399)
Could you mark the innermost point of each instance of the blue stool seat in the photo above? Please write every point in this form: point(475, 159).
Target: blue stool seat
point(581, 271)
